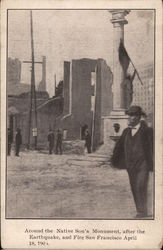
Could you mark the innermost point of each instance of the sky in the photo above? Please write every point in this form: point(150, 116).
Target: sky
point(62, 35)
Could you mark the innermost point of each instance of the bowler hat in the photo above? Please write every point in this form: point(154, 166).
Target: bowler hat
point(135, 110)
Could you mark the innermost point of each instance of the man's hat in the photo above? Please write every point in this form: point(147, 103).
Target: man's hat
point(135, 110)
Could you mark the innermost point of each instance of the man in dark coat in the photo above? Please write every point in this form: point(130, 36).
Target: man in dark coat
point(9, 141)
point(18, 141)
point(51, 141)
point(134, 152)
point(88, 141)
point(59, 142)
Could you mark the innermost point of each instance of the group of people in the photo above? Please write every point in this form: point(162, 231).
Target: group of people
point(18, 141)
point(51, 139)
point(59, 139)
point(133, 152)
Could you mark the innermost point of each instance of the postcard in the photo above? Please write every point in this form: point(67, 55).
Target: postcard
point(81, 124)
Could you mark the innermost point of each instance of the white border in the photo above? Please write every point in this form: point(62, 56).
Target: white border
point(13, 230)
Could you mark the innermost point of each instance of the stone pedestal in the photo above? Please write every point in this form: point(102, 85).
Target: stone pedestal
point(117, 121)
point(116, 117)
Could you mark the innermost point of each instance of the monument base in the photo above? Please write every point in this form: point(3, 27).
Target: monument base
point(114, 124)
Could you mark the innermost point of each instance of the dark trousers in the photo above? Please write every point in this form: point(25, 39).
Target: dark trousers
point(17, 149)
point(139, 182)
point(9, 149)
point(59, 148)
point(50, 148)
point(88, 148)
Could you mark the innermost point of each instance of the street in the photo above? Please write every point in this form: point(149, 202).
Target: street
point(40, 185)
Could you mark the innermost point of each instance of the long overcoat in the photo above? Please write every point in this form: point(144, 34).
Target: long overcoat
point(118, 159)
point(18, 139)
point(51, 139)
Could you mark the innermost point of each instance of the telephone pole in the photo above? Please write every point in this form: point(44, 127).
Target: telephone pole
point(33, 108)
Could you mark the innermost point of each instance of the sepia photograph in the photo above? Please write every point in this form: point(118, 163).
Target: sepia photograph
point(81, 124)
point(80, 114)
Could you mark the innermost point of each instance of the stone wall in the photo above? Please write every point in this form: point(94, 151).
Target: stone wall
point(83, 112)
point(73, 147)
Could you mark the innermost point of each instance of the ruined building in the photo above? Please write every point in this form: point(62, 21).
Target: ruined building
point(19, 101)
point(87, 98)
point(82, 99)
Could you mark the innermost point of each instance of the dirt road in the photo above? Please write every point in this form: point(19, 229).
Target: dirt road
point(67, 186)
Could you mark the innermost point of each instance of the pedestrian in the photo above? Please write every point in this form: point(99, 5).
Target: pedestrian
point(134, 152)
point(88, 141)
point(10, 139)
point(59, 142)
point(18, 141)
point(83, 130)
point(51, 141)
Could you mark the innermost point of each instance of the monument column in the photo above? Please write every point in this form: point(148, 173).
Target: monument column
point(117, 121)
point(118, 20)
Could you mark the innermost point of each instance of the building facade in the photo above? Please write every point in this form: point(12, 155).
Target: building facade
point(83, 98)
point(144, 93)
point(19, 98)
point(87, 97)
point(19, 110)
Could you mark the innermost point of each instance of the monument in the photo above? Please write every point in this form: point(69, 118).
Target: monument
point(117, 121)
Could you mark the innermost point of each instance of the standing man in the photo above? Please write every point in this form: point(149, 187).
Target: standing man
point(51, 141)
point(59, 142)
point(88, 141)
point(9, 141)
point(18, 141)
point(134, 152)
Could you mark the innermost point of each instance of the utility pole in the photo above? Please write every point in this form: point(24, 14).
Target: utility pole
point(33, 108)
point(33, 91)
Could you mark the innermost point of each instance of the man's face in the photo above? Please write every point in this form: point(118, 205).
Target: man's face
point(133, 120)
